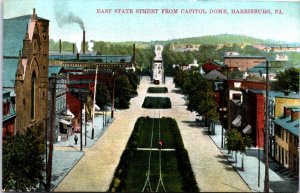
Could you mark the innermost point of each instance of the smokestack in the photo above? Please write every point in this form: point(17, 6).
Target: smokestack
point(73, 48)
point(83, 43)
point(60, 46)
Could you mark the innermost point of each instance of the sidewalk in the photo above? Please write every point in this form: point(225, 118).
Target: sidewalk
point(66, 154)
point(278, 181)
point(98, 132)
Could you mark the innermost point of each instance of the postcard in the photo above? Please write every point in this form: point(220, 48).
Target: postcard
point(144, 96)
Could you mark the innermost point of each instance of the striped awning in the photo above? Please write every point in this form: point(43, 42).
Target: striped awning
point(237, 121)
point(247, 129)
point(63, 121)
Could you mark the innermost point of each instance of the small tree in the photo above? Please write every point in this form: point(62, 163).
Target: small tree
point(287, 80)
point(102, 96)
point(23, 160)
point(236, 142)
point(123, 92)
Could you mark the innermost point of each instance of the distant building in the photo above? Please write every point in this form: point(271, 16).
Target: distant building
point(260, 72)
point(281, 57)
point(184, 47)
point(243, 63)
point(278, 47)
point(212, 65)
point(25, 66)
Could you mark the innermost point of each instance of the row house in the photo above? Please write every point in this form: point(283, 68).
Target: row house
point(254, 111)
point(287, 138)
point(25, 68)
point(63, 118)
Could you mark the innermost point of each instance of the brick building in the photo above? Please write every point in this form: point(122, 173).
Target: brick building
point(242, 62)
point(25, 65)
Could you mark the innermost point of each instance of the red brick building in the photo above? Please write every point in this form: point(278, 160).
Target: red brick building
point(243, 62)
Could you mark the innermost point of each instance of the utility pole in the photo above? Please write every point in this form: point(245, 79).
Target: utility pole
point(82, 105)
point(266, 187)
point(85, 122)
point(113, 96)
point(52, 125)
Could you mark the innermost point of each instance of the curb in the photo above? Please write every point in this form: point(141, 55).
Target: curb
point(230, 163)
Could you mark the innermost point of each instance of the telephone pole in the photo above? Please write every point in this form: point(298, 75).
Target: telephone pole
point(266, 187)
point(52, 125)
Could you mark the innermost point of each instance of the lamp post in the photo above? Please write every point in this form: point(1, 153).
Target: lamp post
point(222, 110)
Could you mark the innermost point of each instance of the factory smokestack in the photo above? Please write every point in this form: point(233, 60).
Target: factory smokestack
point(73, 48)
point(83, 43)
point(60, 46)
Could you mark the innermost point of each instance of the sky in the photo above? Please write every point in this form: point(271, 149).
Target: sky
point(161, 26)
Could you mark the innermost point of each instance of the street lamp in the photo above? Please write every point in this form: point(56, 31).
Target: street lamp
point(223, 116)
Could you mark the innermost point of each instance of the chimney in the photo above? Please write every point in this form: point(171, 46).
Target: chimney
point(287, 112)
point(73, 48)
point(60, 46)
point(294, 114)
point(77, 56)
point(83, 43)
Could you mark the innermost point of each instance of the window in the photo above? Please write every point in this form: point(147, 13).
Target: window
point(286, 137)
point(286, 157)
point(33, 93)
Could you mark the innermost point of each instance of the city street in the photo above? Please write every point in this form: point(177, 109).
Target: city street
point(95, 169)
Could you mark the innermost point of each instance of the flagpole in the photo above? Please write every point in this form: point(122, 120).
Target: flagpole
point(94, 101)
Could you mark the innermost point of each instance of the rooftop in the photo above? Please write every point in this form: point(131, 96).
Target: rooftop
point(286, 123)
point(9, 72)
point(277, 94)
point(245, 56)
point(90, 57)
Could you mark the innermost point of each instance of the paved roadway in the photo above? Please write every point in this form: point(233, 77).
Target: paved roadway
point(95, 170)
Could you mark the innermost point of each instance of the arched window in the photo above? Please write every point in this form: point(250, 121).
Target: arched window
point(33, 93)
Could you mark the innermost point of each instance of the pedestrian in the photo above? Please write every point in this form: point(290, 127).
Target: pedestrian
point(75, 139)
point(160, 144)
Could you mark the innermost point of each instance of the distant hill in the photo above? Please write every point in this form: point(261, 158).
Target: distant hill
point(222, 39)
point(209, 39)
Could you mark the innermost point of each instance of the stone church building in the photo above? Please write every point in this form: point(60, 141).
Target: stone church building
point(25, 68)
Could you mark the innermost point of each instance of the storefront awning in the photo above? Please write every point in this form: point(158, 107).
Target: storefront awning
point(237, 121)
point(65, 122)
point(97, 108)
point(247, 129)
point(70, 113)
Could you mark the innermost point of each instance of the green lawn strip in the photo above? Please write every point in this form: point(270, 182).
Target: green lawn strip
point(157, 103)
point(130, 174)
point(157, 90)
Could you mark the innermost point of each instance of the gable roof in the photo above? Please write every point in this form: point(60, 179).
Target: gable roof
point(214, 74)
point(54, 70)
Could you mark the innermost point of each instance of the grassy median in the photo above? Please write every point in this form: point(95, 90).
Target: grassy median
point(157, 103)
point(157, 90)
point(131, 172)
